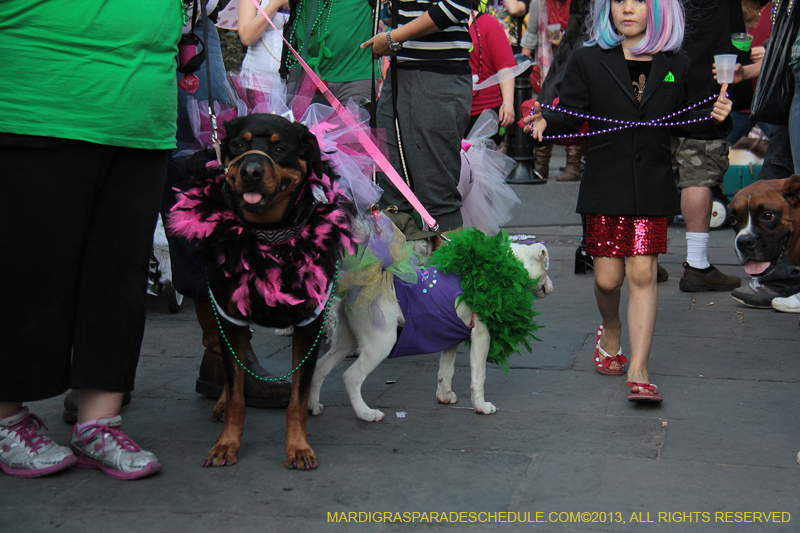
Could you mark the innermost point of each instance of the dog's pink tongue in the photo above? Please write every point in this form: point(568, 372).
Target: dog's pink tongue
point(754, 268)
point(252, 197)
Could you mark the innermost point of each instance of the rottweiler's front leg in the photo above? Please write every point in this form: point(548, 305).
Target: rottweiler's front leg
point(224, 451)
point(298, 451)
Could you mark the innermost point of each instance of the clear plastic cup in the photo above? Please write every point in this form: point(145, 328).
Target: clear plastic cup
point(554, 33)
point(725, 64)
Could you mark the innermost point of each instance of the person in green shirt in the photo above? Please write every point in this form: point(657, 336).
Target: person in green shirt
point(88, 106)
point(327, 34)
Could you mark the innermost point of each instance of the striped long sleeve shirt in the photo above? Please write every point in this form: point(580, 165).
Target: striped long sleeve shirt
point(445, 51)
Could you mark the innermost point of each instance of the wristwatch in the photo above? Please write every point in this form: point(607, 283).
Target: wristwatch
point(394, 46)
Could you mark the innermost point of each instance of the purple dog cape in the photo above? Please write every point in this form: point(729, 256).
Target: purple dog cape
point(429, 307)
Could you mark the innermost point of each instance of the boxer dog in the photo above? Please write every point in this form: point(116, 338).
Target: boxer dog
point(766, 218)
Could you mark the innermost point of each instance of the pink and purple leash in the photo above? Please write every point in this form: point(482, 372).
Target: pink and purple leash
point(363, 138)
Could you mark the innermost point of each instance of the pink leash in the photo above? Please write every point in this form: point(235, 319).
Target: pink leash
point(363, 138)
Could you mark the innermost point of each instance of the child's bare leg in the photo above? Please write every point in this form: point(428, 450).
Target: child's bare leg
point(609, 274)
point(641, 272)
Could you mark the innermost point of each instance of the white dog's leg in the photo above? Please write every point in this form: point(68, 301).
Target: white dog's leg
point(342, 344)
point(447, 363)
point(477, 357)
point(375, 344)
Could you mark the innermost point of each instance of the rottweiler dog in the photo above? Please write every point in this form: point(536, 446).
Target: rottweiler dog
point(270, 226)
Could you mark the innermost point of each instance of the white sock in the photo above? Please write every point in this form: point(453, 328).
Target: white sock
point(80, 427)
point(697, 250)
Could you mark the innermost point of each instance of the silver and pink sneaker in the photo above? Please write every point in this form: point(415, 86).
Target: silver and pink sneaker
point(104, 446)
point(27, 452)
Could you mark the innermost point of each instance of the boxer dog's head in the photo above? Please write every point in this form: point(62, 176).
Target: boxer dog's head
point(766, 219)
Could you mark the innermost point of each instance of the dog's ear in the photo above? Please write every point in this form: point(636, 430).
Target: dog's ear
point(791, 191)
point(229, 126)
point(310, 148)
point(232, 124)
point(542, 255)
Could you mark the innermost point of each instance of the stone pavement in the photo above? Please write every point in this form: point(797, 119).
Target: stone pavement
point(565, 439)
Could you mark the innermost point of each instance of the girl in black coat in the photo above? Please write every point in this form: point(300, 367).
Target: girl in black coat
point(632, 70)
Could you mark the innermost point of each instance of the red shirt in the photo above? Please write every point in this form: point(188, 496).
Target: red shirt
point(762, 30)
point(490, 53)
point(558, 12)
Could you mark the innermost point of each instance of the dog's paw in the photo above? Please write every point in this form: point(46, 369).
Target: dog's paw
point(370, 415)
point(303, 459)
point(222, 455)
point(315, 409)
point(285, 332)
point(446, 397)
point(485, 408)
point(218, 414)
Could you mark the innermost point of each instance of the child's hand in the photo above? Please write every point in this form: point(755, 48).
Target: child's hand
point(535, 122)
point(506, 114)
point(722, 107)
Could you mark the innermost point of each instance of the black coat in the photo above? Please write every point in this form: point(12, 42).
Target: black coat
point(628, 172)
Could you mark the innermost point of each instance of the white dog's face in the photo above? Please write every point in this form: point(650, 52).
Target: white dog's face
point(536, 261)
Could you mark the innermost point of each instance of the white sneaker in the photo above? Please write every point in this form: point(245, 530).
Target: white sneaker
point(104, 446)
point(27, 452)
point(790, 304)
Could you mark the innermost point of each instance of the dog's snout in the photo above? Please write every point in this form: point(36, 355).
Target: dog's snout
point(746, 241)
point(251, 172)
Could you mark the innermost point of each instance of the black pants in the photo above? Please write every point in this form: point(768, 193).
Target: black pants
point(76, 230)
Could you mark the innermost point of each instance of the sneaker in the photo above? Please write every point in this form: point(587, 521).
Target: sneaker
point(104, 446)
point(755, 295)
point(706, 279)
point(26, 452)
point(790, 304)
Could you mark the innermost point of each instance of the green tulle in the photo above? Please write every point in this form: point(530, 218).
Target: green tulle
point(496, 287)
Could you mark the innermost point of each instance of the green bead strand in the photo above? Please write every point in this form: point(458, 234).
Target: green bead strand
point(310, 351)
point(323, 11)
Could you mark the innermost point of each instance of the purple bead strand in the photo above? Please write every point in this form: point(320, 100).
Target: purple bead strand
point(626, 124)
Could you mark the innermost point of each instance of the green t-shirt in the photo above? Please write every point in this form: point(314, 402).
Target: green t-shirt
point(341, 28)
point(101, 71)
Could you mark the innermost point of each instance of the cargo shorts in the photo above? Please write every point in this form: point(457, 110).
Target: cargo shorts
point(698, 163)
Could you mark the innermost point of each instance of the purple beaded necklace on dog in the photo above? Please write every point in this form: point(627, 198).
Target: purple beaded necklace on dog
point(625, 124)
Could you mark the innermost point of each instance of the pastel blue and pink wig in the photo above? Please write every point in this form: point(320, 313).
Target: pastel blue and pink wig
point(665, 25)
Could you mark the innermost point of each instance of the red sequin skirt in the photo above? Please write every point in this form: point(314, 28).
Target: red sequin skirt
point(625, 236)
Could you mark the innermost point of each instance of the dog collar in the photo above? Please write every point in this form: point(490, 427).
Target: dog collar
point(232, 162)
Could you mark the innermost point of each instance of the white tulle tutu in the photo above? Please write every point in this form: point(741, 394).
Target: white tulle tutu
point(487, 199)
point(338, 142)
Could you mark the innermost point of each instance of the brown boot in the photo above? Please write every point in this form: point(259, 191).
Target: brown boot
point(573, 170)
point(257, 392)
point(541, 164)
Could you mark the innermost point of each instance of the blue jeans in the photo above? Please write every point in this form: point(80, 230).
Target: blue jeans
point(778, 161)
point(794, 123)
point(188, 275)
point(742, 126)
point(219, 85)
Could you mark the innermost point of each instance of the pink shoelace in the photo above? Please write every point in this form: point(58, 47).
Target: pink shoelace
point(27, 429)
point(124, 441)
